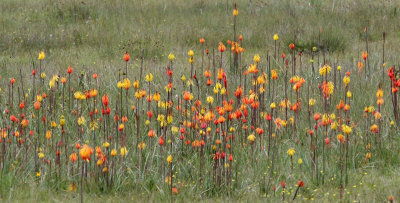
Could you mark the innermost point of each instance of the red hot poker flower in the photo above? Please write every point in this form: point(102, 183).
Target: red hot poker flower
point(126, 56)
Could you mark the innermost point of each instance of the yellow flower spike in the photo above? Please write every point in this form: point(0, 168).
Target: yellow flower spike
point(43, 75)
point(291, 152)
point(126, 83)
point(218, 85)
point(291, 119)
point(81, 121)
point(169, 159)
point(137, 95)
point(314, 49)
point(235, 12)
point(273, 105)
point(149, 77)
point(156, 96)
point(214, 147)
point(170, 119)
point(171, 57)
point(210, 99)
point(256, 58)
point(223, 91)
point(136, 84)
point(311, 102)
point(339, 68)
point(48, 134)
point(346, 129)
point(190, 53)
point(41, 55)
point(300, 161)
point(216, 90)
point(142, 145)
point(334, 126)
point(379, 93)
point(78, 95)
point(167, 89)
point(276, 37)
point(123, 151)
point(113, 152)
point(346, 80)
point(183, 78)
point(62, 121)
point(106, 144)
point(120, 84)
point(53, 81)
point(324, 70)
point(40, 155)
point(260, 79)
point(371, 109)
point(189, 83)
point(251, 138)
point(348, 94)
point(174, 129)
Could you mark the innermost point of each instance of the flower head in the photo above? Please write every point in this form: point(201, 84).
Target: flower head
point(126, 57)
point(291, 152)
point(171, 57)
point(169, 159)
point(41, 55)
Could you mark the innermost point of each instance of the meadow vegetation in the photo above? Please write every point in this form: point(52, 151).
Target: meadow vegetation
point(155, 100)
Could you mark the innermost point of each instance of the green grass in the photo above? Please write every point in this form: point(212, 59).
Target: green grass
point(89, 31)
point(92, 36)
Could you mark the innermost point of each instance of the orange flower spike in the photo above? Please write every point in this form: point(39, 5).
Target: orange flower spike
point(36, 105)
point(105, 100)
point(126, 57)
point(151, 133)
point(98, 150)
point(161, 141)
point(73, 157)
point(221, 47)
point(291, 46)
point(187, 96)
point(259, 131)
point(63, 80)
point(365, 55)
point(317, 116)
point(85, 152)
point(238, 93)
point(340, 105)
point(207, 73)
point(69, 70)
point(209, 82)
point(360, 65)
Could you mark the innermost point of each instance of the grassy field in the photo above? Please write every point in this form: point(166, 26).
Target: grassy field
point(92, 37)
